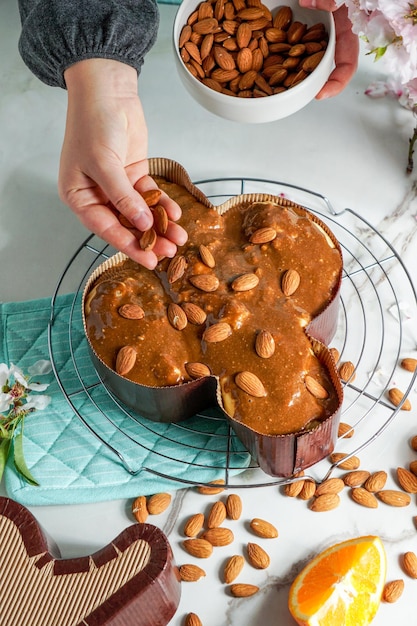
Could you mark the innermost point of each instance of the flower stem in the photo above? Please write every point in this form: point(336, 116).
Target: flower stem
point(412, 141)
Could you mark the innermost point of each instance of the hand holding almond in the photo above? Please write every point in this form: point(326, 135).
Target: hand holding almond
point(104, 167)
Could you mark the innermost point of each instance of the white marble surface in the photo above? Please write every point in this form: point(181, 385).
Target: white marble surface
point(351, 149)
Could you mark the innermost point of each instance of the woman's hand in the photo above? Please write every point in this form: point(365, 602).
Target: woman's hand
point(347, 48)
point(104, 166)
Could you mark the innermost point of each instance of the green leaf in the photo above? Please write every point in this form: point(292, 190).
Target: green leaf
point(4, 453)
point(19, 459)
point(4, 432)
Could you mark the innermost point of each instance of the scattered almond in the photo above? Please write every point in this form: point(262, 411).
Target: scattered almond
point(356, 478)
point(345, 430)
point(234, 506)
point(376, 481)
point(158, 503)
point(192, 619)
point(193, 525)
point(243, 590)
point(335, 354)
point(218, 537)
point(213, 488)
point(191, 573)
point(407, 480)
point(347, 371)
point(293, 488)
point(342, 460)
point(331, 485)
point(233, 568)
point(396, 396)
point(315, 388)
point(217, 515)
point(410, 564)
point(364, 497)
point(413, 467)
point(290, 282)
point(393, 590)
point(308, 490)
point(325, 502)
point(393, 497)
point(125, 360)
point(413, 443)
point(264, 529)
point(409, 364)
point(251, 384)
point(140, 509)
point(198, 547)
point(257, 556)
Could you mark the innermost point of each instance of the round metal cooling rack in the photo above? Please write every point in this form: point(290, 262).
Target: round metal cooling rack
point(377, 314)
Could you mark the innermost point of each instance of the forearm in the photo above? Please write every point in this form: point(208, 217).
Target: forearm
point(58, 33)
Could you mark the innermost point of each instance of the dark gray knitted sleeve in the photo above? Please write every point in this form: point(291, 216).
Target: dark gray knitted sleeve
point(58, 33)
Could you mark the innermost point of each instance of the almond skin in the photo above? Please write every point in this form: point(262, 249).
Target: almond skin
point(131, 312)
point(218, 536)
point(409, 364)
point(233, 568)
point(160, 218)
point(356, 478)
point(290, 282)
point(217, 515)
point(197, 370)
point(176, 316)
point(190, 572)
point(347, 371)
point(410, 564)
point(198, 547)
point(325, 502)
point(376, 481)
point(152, 196)
point(364, 497)
point(125, 360)
point(331, 485)
point(243, 590)
point(158, 503)
point(206, 256)
point(345, 430)
point(148, 239)
point(140, 509)
point(205, 282)
point(350, 463)
point(193, 525)
point(195, 314)
point(257, 556)
point(192, 619)
point(407, 480)
point(308, 490)
point(393, 590)
point(245, 282)
point(234, 506)
point(394, 498)
point(262, 528)
point(396, 396)
point(264, 344)
point(213, 488)
point(176, 268)
point(217, 332)
point(315, 388)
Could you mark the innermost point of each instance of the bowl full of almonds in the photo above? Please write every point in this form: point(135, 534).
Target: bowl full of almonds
point(251, 61)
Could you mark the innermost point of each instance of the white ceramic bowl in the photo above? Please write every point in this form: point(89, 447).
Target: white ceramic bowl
point(268, 108)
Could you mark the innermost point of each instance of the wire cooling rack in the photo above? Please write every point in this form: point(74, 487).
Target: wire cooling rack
point(376, 330)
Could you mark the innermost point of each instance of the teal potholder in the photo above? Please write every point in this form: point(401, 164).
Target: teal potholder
point(113, 454)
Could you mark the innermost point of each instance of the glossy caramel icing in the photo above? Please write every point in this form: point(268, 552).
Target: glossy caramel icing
point(300, 244)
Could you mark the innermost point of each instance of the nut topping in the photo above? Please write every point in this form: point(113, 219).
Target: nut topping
point(125, 360)
point(264, 344)
point(131, 311)
point(290, 282)
point(251, 384)
point(205, 282)
point(176, 316)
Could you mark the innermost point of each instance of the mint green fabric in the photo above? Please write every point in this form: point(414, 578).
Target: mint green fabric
point(71, 464)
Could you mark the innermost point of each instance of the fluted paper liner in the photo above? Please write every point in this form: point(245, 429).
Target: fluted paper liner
point(277, 455)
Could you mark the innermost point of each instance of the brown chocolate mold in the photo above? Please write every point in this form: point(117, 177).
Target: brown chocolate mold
point(277, 455)
point(133, 580)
